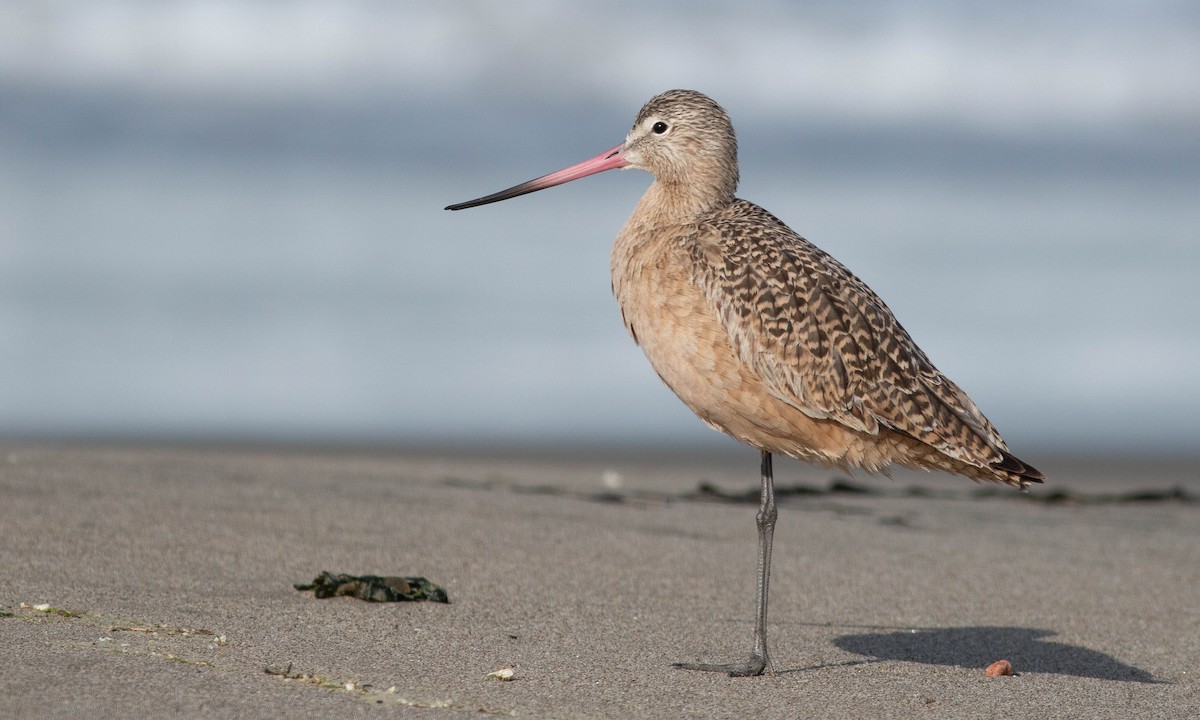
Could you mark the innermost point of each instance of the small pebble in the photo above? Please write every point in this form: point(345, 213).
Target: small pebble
point(998, 668)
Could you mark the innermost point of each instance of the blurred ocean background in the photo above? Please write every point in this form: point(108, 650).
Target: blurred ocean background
point(223, 219)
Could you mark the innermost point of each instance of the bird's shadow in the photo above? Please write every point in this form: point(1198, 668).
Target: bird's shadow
point(977, 647)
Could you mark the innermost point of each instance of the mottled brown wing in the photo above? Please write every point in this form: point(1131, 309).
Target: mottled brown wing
point(822, 341)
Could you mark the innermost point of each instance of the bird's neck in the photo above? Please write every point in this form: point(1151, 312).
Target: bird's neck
point(665, 214)
point(667, 203)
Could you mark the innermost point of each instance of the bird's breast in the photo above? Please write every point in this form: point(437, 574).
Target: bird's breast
point(668, 313)
point(665, 310)
point(669, 316)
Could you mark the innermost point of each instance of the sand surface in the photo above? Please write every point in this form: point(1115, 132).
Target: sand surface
point(165, 580)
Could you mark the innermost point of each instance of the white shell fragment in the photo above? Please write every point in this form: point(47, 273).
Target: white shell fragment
point(502, 674)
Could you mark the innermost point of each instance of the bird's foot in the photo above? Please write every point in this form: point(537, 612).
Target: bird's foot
point(752, 667)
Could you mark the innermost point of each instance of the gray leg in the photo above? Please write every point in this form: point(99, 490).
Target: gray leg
point(766, 533)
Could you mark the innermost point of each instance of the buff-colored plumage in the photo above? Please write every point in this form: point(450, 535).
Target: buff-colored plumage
point(765, 336)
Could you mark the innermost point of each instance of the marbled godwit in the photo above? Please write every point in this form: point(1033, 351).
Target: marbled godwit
point(763, 335)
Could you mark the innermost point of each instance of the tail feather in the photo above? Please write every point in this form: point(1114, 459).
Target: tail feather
point(1012, 464)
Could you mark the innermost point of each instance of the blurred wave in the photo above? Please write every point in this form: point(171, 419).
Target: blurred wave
point(224, 218)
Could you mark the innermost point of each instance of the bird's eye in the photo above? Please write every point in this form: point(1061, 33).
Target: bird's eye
point(660, 127)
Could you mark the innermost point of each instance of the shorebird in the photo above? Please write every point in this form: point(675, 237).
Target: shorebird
point(765, 336)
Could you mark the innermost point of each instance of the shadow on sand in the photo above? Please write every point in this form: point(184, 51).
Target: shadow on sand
point(977, 647)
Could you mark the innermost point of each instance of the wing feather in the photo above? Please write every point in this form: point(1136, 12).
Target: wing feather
point(824, 342)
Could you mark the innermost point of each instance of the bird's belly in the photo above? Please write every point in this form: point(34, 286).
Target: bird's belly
point(689, 348)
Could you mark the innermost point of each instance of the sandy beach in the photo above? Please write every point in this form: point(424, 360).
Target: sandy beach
point(154, 581)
